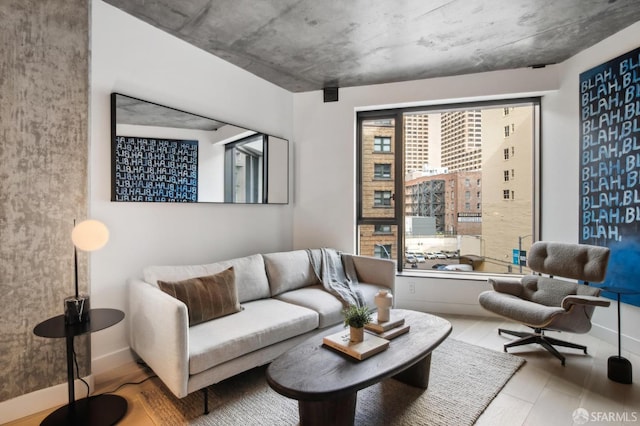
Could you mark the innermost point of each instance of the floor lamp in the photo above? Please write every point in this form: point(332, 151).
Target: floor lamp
point(79, 319)
point(88, 235)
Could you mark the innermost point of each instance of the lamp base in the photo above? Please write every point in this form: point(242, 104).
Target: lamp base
point(619, 369)
point(76, 309)
point(99, 410)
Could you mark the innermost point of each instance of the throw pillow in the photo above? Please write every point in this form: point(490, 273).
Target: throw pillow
point(207, 297)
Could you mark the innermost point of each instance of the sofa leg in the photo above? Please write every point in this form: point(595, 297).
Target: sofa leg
point(205, 392)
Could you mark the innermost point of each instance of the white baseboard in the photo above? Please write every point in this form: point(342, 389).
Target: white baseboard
point(627, 343)
point(44, 399)
point(442, 308)
point(40, 400)
point(110, 361)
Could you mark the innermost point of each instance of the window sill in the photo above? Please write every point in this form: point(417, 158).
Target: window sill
point(454, 275)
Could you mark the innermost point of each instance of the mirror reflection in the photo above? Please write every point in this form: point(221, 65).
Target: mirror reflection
point(160, 154)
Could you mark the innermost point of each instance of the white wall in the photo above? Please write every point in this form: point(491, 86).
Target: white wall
point(560, 160)
point(324, 179)
point(133, 58)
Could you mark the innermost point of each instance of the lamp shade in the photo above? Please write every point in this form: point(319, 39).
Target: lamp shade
point(90, 235)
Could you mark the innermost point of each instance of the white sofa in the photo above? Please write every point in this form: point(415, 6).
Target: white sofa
point(282, 300)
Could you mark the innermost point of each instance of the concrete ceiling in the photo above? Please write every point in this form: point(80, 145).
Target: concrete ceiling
point(142, 113)
point(304, 45)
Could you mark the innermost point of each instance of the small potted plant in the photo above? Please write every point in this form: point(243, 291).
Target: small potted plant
point(356, 317)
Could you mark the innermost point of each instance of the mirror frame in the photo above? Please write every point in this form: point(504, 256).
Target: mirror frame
point(266, 159)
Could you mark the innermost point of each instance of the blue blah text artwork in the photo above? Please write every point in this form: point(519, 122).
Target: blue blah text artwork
point(154, 170)
point(610, 167)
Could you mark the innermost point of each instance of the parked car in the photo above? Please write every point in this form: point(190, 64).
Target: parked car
point(440, 255)
point(411, 259)
point(430, 255)
point(459, 267)
point(419, 257)
point(452, 254)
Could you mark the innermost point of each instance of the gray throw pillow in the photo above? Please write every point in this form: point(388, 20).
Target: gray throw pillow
point(207, 297)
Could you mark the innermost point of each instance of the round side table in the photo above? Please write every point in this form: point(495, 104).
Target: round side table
point(619, 369)
point(99, 410)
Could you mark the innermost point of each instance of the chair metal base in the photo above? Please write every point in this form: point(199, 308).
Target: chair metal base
point(538, 337)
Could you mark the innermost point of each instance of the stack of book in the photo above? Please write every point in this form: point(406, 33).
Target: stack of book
point(371, 345)
point(387, 329)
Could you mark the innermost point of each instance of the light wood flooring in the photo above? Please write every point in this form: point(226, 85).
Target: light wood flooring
point(542, 392)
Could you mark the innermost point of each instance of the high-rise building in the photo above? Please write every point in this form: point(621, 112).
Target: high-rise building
point(461, 140)
point(507, 177)
point(416, 142)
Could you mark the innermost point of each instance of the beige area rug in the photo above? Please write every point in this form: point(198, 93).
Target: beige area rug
point(464, 380)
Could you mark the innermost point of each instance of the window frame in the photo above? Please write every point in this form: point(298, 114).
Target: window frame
point(255, 179)
point(398, 195)
point(387, 249)
point(386, 175)
point(382, 145)
point(382, 198)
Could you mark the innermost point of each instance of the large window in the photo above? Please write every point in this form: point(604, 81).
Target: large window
point(419, 192)
point(243, 170)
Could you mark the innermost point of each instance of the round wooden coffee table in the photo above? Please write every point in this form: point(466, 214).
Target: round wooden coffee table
point(326, 382)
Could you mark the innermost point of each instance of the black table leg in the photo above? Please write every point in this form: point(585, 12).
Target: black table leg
point(417, 375)
point(339, 411)
point(100, 410)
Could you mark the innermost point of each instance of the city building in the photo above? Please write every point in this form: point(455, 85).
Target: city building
point(507, 177)
point(453, 199)
point(461, 140)
point(416, 142)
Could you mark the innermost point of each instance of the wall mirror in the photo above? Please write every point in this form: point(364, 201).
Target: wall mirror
point(161, 154)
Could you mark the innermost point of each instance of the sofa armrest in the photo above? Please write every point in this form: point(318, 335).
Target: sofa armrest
point(373, 270)
point(159, 334)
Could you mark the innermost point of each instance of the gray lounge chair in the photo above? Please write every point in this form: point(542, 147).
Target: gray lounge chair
point(548, 303)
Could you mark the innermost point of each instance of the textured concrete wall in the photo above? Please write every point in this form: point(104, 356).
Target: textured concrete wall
point(43, 182)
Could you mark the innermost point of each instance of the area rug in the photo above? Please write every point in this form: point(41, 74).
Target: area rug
point(464, 379)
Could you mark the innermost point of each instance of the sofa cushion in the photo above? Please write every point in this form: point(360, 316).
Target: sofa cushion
point(207, 297)
point(289, 270)
point(261, 323)
point(251, 278)
point(328, 306)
